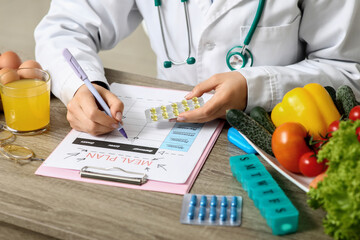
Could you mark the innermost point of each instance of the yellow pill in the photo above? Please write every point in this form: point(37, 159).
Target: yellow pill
point(163, 108)
point(153, 110)
point(174, 105)
point(154, 118)
point(195, 99)
point(186, 109)
point(184, 102)
point(196, 106)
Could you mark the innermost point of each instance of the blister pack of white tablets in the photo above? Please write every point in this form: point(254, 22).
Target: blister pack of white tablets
point(213, 210)
point(172, 111)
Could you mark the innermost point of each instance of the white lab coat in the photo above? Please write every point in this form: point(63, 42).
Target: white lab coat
point(295, 43)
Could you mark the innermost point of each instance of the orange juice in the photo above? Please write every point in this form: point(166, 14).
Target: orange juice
point(26, 104)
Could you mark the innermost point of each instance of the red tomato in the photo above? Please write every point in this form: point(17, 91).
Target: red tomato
point(355, 113)
point(288, 144)
point(318, 145)
point(358, 133)
point(333, 127)
point(309, 166)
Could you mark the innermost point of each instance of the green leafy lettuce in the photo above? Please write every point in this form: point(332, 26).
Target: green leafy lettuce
point(339, 193)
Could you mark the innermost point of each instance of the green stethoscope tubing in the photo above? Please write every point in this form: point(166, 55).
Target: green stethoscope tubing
point(170, 61)
point(245, 53)
point(258, 14)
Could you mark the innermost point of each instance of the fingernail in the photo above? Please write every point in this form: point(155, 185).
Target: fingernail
point(180, 119)
point(118, 116)
point(188, 95)
point(114, 125)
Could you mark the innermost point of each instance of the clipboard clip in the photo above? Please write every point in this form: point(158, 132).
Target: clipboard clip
point(137, 179)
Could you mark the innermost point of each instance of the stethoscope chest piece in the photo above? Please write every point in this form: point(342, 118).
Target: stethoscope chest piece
point(239, 57)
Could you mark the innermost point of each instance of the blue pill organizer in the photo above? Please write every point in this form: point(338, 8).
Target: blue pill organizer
point(215, 210)
point(279, 212)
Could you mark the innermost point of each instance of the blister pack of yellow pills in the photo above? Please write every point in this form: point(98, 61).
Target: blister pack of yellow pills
point(172, 111)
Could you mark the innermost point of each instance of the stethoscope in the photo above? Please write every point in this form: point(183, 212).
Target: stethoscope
point(236, 58)
point(170, 61)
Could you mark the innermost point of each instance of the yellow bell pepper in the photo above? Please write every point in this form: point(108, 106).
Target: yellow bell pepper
point(311, 106)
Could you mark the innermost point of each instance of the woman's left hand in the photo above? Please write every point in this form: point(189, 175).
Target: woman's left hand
point(230, 93)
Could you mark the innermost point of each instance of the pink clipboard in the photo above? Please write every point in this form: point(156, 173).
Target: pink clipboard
point(150, 185)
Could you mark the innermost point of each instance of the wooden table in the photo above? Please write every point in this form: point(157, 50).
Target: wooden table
point(36, 207)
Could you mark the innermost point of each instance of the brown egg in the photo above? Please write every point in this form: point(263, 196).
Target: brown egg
point(9, 59)
point(29, 70)
point(29, 73)
point(30, 64)
point(8, 75)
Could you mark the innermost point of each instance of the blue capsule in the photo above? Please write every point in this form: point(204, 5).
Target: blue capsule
point(203, 201)
point(212, 214)
point(213, 201)
point(234, 201)
point(193, 200)
point(202, 213)
point(233, 214)
point(223, 214)
point(191, 212)
point(224, 202)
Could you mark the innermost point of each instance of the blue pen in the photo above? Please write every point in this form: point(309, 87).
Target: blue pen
point(82, 75)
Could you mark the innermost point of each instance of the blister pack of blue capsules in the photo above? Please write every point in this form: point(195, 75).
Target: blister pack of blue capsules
point(215, 210)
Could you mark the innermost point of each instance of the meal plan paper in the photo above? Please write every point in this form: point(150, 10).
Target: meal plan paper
point(164, 151)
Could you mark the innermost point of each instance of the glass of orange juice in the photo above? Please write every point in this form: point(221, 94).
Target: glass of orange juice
point(25, 95)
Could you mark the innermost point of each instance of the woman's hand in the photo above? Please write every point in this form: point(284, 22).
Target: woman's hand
point(230, 93)
point(84, 114)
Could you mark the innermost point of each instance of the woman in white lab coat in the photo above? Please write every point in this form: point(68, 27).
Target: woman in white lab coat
point(295, 42)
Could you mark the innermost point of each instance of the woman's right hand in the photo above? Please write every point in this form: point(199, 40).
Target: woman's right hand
point(84, 114)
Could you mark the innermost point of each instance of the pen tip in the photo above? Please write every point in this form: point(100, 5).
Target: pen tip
point(122, 131)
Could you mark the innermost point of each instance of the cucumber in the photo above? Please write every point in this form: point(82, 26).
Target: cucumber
point(345, 98)
point(251, 129)
point(262, 117)
point(332, 93)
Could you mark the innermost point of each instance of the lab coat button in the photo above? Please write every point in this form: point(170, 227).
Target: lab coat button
point(210, 45)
